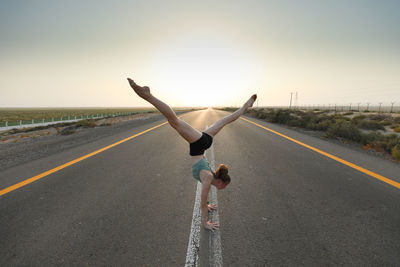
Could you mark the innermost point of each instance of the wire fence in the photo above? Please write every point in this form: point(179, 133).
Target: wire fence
point(64, 119)
point(350, 107)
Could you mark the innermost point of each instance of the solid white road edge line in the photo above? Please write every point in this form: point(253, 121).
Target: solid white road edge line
point(192, 254)
point(215, 253)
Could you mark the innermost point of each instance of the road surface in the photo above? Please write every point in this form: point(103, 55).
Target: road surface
point(132, 204)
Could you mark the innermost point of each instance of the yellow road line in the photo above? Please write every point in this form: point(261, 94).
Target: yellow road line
point(345, 162)
point(44, 174)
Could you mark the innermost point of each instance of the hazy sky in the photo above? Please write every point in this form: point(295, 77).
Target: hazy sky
point(195, 53)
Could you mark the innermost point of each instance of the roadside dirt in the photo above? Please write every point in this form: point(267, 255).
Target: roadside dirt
point(17, 147)
point(24, 135)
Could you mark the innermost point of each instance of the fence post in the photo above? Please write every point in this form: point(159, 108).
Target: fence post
point(52, 119)
point(20, 122)
point(6, 123)
point(33, 121)
point(69, 118)
point(43, 120)
point(75, 117)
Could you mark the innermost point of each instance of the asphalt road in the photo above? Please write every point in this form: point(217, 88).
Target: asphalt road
point(132, 204)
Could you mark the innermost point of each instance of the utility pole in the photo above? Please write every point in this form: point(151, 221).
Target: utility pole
point(367, 106)
point(350, 107)
point(391, 109)
point(291, 94)
point(380, 104)
point(358, 107)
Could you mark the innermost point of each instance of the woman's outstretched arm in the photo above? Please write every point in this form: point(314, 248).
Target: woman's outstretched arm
point(205, 207)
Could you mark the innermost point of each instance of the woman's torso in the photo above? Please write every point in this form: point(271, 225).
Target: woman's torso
point(199, 165)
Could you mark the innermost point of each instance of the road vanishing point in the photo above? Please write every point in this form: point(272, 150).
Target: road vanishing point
point(128, 200)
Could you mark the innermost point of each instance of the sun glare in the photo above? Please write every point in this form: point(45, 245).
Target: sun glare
point(203, 72)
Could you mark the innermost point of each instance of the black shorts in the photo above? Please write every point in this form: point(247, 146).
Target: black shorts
point(198, 147)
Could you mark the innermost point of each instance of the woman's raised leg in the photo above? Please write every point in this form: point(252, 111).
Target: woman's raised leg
point(216, 127)
point(189, 133)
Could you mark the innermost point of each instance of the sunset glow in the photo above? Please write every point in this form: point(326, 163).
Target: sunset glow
point(203, 71)
point(198, 53)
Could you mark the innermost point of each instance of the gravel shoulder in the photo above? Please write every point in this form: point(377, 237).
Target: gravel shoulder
point(21, 147)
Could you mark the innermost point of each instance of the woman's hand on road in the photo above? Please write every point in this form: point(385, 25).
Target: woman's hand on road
point(211, 226)
point(211, 207)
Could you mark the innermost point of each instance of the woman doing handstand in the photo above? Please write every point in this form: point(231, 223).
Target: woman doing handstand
point(199, 142)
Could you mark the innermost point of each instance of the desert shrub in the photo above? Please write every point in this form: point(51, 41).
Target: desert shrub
point(344, 129)
point(381, 142)
point(230, 109)
point(370, 138)
point(252, 112)
point(261, 115)
point(385, 123)
point(397, 129)
point(68, 132)
point(396, 119)
point(359, 117)
point(339, 118)
point(324, 125)
point(281, 116)
point(378, 117)
point(298, 113)
point(379, 145)
point(309, 117)
point(370, 125)
point(311, 125)
point(319, 125)
point(269, 116)
point(396, 152)
point(86, 123)
point(348, 113)
point(392, 140)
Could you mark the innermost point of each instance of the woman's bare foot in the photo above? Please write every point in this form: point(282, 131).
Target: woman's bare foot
point(143, 92)
point(251, 100)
